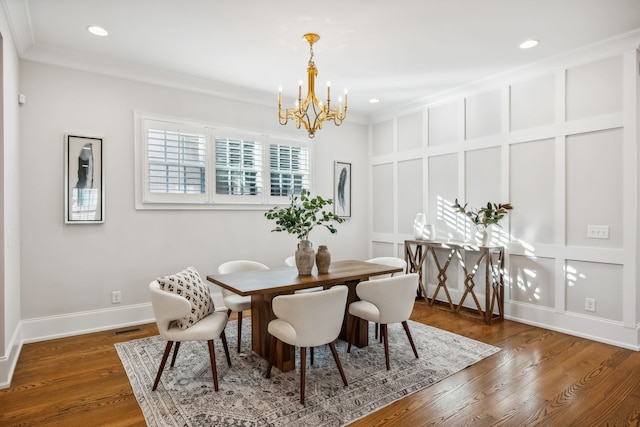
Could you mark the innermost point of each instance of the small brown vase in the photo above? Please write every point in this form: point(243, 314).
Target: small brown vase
point(323, 259)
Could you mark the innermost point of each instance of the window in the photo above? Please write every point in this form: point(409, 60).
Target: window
point(188, 165)
point(176, 162)
point(289, 169)
point(238, 167)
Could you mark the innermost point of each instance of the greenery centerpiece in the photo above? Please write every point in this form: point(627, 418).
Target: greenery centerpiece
point(482, 218)
point(300, 217)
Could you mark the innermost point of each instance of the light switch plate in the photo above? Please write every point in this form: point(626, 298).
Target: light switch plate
point(597, 231)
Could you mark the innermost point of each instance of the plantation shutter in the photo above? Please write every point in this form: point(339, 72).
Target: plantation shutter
point(289, 167)
point(238, 167)
point(177, 162)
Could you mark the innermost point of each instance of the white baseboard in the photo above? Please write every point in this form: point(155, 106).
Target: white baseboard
point(576, 324)
point(579, 325)
point(50, 327)
point(10, 360)
point(65, 325)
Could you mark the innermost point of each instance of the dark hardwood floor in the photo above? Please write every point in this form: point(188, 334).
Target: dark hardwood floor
point(540, 378)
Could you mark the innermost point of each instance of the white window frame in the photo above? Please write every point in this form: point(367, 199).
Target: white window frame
point(146, 199)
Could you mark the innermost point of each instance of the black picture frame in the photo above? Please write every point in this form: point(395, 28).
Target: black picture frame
point(83, 180)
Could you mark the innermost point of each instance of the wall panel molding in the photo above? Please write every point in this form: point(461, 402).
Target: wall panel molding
point(452, 149)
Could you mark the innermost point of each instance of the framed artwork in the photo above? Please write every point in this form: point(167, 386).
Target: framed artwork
point(83, 180)
point(342, 189)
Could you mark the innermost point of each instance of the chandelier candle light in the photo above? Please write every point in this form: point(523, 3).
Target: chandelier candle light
point(312, 120)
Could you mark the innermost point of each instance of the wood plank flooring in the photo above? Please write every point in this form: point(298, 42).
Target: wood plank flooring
point(540, 378)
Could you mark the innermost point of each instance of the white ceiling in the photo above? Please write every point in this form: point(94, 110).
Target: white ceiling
point(398, 51)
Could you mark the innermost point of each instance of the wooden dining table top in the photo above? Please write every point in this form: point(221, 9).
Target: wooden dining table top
point(285, 279)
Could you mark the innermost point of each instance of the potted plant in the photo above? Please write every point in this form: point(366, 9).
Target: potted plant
point(484, 217)
point(300, 217)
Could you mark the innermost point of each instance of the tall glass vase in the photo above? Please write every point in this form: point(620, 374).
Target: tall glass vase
point(482, 236)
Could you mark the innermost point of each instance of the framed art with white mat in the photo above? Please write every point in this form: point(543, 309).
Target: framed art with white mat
point(83, 180)
point(342, 189)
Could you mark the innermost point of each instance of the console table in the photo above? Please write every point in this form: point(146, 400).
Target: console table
point(491, 257)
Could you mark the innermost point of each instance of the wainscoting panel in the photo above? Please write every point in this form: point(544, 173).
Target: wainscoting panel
point(532, 185)
point(557, 140)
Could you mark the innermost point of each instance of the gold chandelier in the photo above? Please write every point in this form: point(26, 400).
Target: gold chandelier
point(311, 112)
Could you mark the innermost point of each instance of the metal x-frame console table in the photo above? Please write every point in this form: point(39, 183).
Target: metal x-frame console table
point(417, 252)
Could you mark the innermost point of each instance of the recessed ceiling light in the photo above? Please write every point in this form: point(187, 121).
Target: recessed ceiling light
point(374, 101)
point(98, 31)
point(528, 44)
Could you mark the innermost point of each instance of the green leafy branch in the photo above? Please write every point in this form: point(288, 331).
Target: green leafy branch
point(486, 216)
point(303, 214)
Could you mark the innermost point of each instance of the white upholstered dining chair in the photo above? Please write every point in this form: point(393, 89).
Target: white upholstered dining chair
point(385, 301)
point(169, 309)
point(308, 320)
point(233, 301)
point(392, 262)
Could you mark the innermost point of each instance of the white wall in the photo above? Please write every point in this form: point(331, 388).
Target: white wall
point(10, 340)
point(69, 271)
point(559, 141)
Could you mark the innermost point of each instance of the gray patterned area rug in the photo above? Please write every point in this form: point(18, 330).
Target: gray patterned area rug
point(185, 395)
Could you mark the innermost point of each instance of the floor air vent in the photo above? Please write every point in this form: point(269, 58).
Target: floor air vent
point(126, 331)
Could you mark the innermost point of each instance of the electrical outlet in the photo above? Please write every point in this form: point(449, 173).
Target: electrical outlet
point(590, 304)
point(116, 297)
point(597, 231)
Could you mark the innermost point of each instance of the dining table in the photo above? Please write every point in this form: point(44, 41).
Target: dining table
point(264, 285)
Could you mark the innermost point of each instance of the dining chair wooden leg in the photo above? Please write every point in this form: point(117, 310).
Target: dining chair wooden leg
point(303, 371)
point(332, 346)
point(377, 326)
point(383, 331)
point(272, 355)
point(239, 330)
point(223, 337)
point(175, 353)
point(406, 329)
point(214, 371)
point(352, 333)
point(165, 356)
point(229, 312)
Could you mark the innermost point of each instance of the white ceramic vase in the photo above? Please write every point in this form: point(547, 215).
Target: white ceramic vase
point(422, 230)
point(484, 237)
point(429, 232)
point(418, 226)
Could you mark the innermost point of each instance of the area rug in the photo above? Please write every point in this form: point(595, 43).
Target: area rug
point(185, 395)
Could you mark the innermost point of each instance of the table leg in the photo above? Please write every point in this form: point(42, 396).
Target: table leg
point(362, 328)
point(442, 276)
point(261, 315)
point(469, 283)
point(488, 288)
point(495, 278)
point(414, 265)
